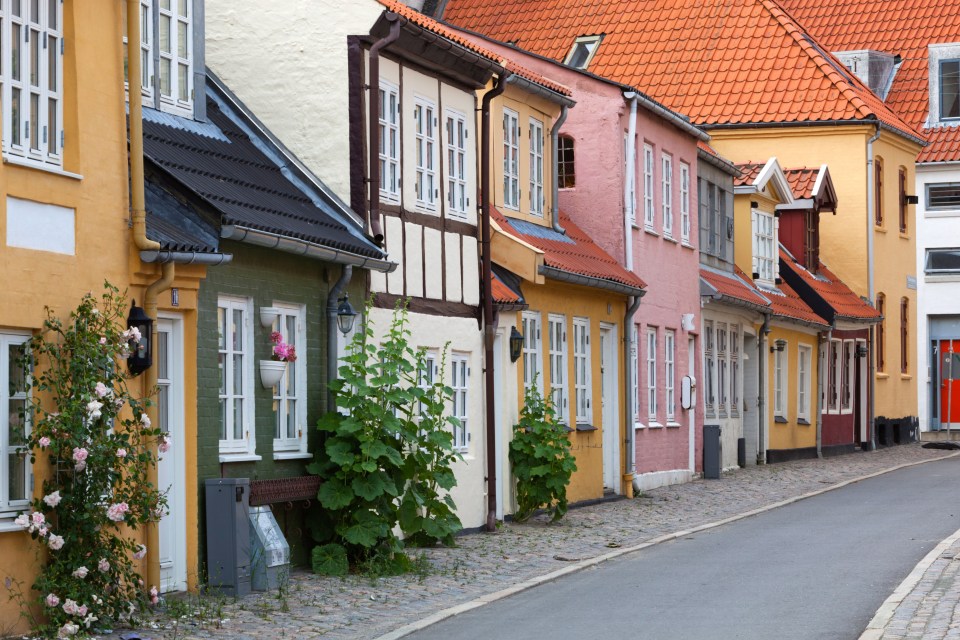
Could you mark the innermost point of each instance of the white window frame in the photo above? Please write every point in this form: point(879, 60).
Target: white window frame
point(780, 382)
point(670, 372)
point(280, 393)
point(709, 370)
point(652, 374)
point(181, 67)
point(765, 260)
point(848, 357)
point(589, 44)
point(146, 49)
point(666, 195)
point(635, 367)
point(426, 179)
point(232, 447)
point(457, 160)
point(537, 199)
point(734, 337)
point(426, 377)
point(631, 204)
point(559, 371)
point(582, 373)
point(804, 360)
point(723, 370)
point(648, 211)
point(685, 203)
point(940, 97)
point(532, 366)
point(390, 177)
point(8, 507)
point(460, 406)
point(834, 374)
point(511, 159)
point(39, 128)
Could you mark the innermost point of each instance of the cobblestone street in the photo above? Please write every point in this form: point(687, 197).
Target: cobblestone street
point(357, 607)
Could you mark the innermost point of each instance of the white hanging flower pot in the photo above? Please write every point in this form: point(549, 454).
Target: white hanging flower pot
point(268, 315)
point(271, 372)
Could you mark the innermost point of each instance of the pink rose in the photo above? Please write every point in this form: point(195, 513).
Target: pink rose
point(164, 444)
point(55, 542)
point(140, 553)
point(101, 390)
point(37, 518)
point(145, 421)
point(121, 453)
point(53, 499)
point(52, 600)
point(116, 511)
point(103, 340)
point(103, 566)
point(44, 442)
point(80, 458)
point(81, 572)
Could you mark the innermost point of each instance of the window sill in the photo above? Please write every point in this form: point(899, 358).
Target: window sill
point(291, 455)
point(686, 245)
point(655, 425)
point(426, 209)
point(583, 426)
point(882, 376)
point(639, 425)
point(803, 421)
point(634, 225)
point(673, 425)
point(906, 376)
point(239, 457)
point(669, 238)
point(779, 419)
point(651, 231)
point(904, 236)
point(8, 526)
point(40, 166)
point(879, 229)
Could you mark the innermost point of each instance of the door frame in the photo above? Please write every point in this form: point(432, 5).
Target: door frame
point(177, 497)
point(610, 407)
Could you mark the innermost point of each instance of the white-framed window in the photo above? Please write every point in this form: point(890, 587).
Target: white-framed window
point(684, 202)
point(834, 375)
point(734, 370)
point(648, 213)
point(631, 204)
point(846, 383)
point(943, 196)
point(458, 199)
point(557, 338)
point(780, 383)
point(581, 369)
point(290, 395)
point(425, 136)
point(460, 385)
point(723, 380)
point(530, 321)
point(389, 142)
point(582, 51)
point(235, 347)
point(709, 373)
point(764, 246)
point(666, 195)
point(511, 159)
point(32, 80)
point(146, 49)
point(635, 367)
point(804, 352)
point(426, 376)
point(167, 62)
point(652, 373)
point(536, 167)
point(949, 89)
point(669, 372)
point(15, 467)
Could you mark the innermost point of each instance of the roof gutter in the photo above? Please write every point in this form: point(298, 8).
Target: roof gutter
point(590, 281)
point(453, 48)
point(816, 123)
point(304, 248)
point(373, 121)
point(186, 257)
point(540, 90)
point(719, 163)
point(672, 117)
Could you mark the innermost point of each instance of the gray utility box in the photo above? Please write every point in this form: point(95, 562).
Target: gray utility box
point(712, 451)
point(270, 564)
point(228, 535)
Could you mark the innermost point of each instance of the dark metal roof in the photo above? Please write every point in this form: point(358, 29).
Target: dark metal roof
point(245, 178)
point(176, 225)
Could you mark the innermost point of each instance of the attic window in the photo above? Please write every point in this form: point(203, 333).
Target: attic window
point(949, 89)
point(582, 51)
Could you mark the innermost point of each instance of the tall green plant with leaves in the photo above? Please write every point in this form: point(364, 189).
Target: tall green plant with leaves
point(541, 458)
point(387, 455)
point(99, 443)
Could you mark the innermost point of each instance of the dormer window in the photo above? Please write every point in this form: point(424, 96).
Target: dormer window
point(582, 51)
point(764, 247)
point(950, 89)
point(944, 78)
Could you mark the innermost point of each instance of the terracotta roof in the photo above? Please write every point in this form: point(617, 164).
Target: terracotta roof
point(722, 62)
point(446, 32)
point(802, 181)
point(735, 286)
point(832, 291)
point(502, 293)
point(904, 27)
point(748, 173)
point(573, 252)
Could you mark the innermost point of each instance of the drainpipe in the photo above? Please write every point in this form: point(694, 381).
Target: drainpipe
point(554, 135)
point(761, 404)
point(142, 243)
point(629, 183)
point(630, 477)
point(345, 274)
point(871, 198)
point(824, 366)
point(486, 287)
point(373, 103)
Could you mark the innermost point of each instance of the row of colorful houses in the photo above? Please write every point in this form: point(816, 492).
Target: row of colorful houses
point(663, 236)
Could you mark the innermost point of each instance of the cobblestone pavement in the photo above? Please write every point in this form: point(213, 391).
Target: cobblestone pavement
point(357, 607)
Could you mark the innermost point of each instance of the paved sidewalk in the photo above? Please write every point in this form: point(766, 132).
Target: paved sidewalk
point(484, 564)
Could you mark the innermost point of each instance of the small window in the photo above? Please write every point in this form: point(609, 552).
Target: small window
point(460, 387)
point(803, 382)
point(942, 261)
point(652, 373)
point(235, 336)
point(582, 51)
point(531, 348)
point(847, 382)
point(635, 367)
point(903, 200)
point(289, 396)
point(949, 89)
point(780, 383)
point(765, 263)
point(834, 376)
point(709, 368)
point(943, 196)
point(15, 466)
point(458, 198)
point(168, 63)
point(425, 129)
point(511, 159)
point(881, 332)
point(557, 336)
point(684, 202)
point(648, 213)
point(904, 335)
point(389, 142)
point(666, 195)
point(582, 370)
point(566, 167)
point(669, 373)
point(878, 192)
point(536, 167)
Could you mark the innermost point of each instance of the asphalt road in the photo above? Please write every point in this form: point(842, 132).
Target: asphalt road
point(816, 569)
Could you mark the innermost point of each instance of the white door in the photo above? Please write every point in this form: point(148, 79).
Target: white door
point(170, 470)
point(609, 410)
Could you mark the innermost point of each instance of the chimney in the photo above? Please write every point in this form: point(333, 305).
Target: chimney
point(874, 68)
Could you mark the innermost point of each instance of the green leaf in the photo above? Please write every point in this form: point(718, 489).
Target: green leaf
point(335, 495)
point(364, 534)
point(369, 487)
point(330, 560)
point(340, 451)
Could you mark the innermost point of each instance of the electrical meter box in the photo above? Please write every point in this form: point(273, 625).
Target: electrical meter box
point(228, 535)
point(270, 559)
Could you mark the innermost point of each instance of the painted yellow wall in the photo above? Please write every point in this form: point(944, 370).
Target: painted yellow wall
point(792, 434)
point(599, 306)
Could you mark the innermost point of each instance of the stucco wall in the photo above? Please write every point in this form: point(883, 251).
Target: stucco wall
point(792, 434)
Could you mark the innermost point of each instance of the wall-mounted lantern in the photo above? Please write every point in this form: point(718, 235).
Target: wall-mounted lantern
point(778, 345)
point(345, 315)
point(911, 199)
point(862, 351)
point(141, 356)
point(516, 344)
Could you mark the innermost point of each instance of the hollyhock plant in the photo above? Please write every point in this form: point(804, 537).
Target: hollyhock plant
point(91, 429)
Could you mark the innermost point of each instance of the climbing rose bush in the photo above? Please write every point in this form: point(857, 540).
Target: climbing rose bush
point(98, 443)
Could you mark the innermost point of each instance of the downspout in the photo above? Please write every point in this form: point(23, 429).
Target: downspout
point(373, 118)
point(871, 199)
point(630, 477)
point(824, 366)
point(761, 405)
point(554, 139)
point(142, 243)
point(332, 297)
point(486, 273)
point(629, 183)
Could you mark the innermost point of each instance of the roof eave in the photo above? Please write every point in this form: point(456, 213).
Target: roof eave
point(591, 281)
point(304, 248)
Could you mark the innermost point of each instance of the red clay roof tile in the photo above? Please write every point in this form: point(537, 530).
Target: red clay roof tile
point(734, 285)
point(844, 302)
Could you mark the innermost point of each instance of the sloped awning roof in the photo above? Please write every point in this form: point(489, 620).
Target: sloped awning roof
point(829, 296)
point(732, 288)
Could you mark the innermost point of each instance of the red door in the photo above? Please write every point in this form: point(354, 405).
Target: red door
point(950, 383)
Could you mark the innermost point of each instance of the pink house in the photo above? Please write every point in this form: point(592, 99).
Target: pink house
point(612, 134)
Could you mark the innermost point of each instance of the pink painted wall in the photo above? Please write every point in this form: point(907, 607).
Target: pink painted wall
point(598, 123)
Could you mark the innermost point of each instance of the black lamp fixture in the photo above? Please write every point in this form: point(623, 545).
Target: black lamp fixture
point(516, 344)
point(778, 345)
point(345, 315)
point(141, 356)
point(862, 351)
point(911, 199)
